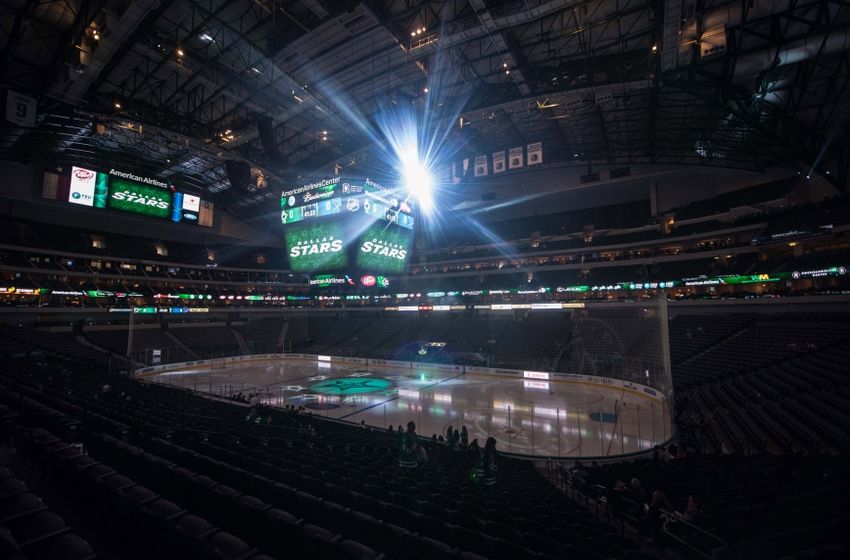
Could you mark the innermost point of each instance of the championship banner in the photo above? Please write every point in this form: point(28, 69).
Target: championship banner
point(535, 153)
point(499, 162)
point(459, 174)
point(481, 166)
point(515, 159)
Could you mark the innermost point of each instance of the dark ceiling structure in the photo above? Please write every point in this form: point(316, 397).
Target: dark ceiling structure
point(291, 87)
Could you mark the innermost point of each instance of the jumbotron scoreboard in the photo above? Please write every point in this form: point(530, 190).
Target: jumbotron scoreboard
point(355, 227)
point(130, 193)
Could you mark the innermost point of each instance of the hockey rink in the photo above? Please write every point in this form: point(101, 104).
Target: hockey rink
point(543, 418)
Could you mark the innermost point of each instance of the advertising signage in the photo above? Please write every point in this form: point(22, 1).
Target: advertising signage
point(82, 186)
point(135, 194)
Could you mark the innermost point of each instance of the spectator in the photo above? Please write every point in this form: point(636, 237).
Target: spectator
point(408, 454)
point(693, 513)
point(390, 429)
point(487, 463)
point(474, 445)
point(464, 437)
point(616, 497)
point(636, 491)
point(665, 456)
point(655, 518)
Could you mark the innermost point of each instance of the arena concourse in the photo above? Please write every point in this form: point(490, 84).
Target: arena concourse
point(454, 280)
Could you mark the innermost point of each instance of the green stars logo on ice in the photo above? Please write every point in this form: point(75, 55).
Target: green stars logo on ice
point(350, 386)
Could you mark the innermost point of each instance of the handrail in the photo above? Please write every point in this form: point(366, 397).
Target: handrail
point(680, 520)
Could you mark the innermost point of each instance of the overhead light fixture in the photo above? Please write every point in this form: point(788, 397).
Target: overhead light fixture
point(117, 104)
point(425, 90)
point(546, 104)
point(180, 52)
point(206, 37)
point(255, 69)
point(654, 48)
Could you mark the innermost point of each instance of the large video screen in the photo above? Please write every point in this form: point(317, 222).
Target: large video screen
point(317, 246)
point(136, 198)
point(352, 226)
point(384, 248)
point(126, 192)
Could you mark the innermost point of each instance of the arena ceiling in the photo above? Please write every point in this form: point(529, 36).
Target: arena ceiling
point(177, 88)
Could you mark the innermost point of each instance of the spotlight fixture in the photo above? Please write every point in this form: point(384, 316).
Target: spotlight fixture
point(417, 179)
point(116, 104)
point(180, 52)
point(425, 89)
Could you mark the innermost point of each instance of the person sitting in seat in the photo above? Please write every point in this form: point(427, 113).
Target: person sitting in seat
point(693, 513)
point(408, 456)
point(485, 467)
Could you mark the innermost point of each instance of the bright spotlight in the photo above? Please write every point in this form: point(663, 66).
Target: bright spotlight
point(417, 180)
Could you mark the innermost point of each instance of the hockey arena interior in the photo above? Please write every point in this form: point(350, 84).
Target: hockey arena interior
point(428, 280)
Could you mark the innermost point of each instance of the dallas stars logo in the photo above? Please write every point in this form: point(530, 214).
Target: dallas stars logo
point(384, 248)
point(350, 385)
point(317, 246)
point(312, 241)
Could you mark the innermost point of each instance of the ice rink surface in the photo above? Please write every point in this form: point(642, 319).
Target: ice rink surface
point(545, 418)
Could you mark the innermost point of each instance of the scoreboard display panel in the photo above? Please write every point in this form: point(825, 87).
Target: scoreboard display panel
point(316, 246)
point(138, 198)
point(136, 194)
point(355, 226)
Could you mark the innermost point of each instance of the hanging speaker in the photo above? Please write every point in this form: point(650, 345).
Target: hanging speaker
point(265, 126)
point(239, 175)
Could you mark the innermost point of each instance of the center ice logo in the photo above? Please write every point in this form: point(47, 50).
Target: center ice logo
point(350, 386)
